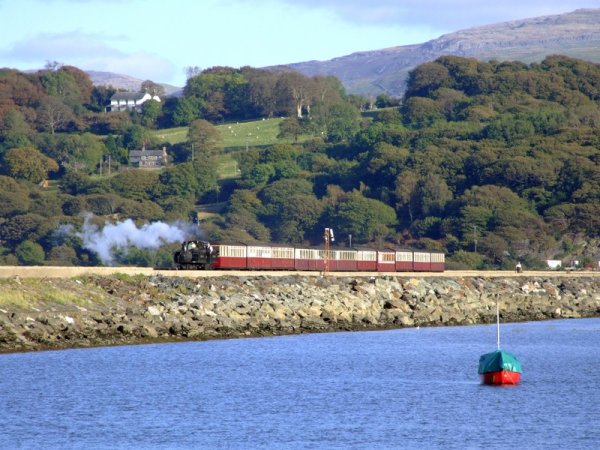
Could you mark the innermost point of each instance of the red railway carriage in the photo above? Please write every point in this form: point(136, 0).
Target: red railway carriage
point(366, 260)
point(283, 258)
point(386, 261)
point(309, 259)
point(230, 256)
point(421, 261)
point(343, 260)
point(280, 257)
point(270, 257)
point(404, 261)
point(438, 262)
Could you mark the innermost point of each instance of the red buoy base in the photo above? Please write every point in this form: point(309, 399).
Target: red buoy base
point(501, 377)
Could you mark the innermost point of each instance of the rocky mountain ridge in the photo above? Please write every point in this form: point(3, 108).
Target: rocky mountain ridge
point(575, 34)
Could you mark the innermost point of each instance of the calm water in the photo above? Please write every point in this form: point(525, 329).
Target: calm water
point(413, 388)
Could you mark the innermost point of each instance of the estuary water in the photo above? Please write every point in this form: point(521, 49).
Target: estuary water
point(410, 388)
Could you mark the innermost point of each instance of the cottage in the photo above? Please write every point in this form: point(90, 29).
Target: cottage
point(129, 101)
point(148, 159)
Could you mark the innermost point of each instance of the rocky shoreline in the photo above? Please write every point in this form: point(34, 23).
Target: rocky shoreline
point(41, 314)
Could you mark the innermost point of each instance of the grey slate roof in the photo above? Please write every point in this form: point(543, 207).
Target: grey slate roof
point(127, 96)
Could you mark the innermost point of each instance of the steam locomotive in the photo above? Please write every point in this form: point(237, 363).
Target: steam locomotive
point(195, 255)
point(202, 255)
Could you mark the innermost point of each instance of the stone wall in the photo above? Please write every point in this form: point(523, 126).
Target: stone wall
point(113, 311)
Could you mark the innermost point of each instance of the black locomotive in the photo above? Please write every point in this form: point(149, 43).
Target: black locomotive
point(194, 255)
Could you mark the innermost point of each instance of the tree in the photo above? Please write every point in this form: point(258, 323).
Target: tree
point(76, 151)
point(206, 174)
point(135, 184)
point(29, 164)
point(433, 194)
point(290, 127)
point(406, 188)
point(54, 115)
point(76, 183)
point(14, 130)
point(340, 121)
point(137, 137)
point(192, 71)
point(151, 110)
point(205, 139)
point(276, 195)
point(140, 209)
point(178, 181)
point(152, 88)
point(187, 110)
point(103, 204)
point(63, 255)
point(14, 197)
point(69, 84)
point(294, 93)
point(22, 227)
point(426, 78)
point(30, 253)
point(385, 101)
point(219, 88)
point(361, 217)
point(297, 217)
point(421, 112)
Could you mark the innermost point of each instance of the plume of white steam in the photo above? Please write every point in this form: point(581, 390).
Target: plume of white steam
point(121, 235)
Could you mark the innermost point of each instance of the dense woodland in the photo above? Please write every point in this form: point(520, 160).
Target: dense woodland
point(491, 162)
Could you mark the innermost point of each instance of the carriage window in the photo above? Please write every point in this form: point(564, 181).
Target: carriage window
point(283, 252)
point(403, 256)
point(234, 251)
point(437, 257)
point(422, 257)
point(387, 257)
point(366, 256)
point(303, 253)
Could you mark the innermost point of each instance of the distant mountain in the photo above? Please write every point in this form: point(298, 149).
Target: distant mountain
point(126, 82)
point(575, 34)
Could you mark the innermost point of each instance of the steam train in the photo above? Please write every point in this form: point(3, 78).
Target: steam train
point(201, 255)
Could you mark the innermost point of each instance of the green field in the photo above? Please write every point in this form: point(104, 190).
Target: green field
point(228, 167)
point(236, 135)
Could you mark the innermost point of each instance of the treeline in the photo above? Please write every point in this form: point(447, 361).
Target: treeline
point(491, 162)
point(59, 109)
point(54, 131)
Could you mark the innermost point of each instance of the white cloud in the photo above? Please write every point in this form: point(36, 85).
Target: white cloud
point(90, 52)
point(59, 47)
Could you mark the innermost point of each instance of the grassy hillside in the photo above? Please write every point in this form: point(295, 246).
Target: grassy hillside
point(235, 135)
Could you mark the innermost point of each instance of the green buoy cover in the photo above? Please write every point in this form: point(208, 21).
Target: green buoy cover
point(497, 361)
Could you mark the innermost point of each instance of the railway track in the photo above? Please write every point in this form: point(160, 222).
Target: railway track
point(69, 272)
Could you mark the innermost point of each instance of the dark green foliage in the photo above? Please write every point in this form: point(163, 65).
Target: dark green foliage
point(25, 226)
point(14, 197)
point(62, 255)
point(487, 161)
point(135, 184)
point(30, 253)
point(178, 181)
point(364, 218)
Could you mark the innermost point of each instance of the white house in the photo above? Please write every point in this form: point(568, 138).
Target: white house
point(129, 101)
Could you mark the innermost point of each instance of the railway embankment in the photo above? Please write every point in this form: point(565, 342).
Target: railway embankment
point(51, 313)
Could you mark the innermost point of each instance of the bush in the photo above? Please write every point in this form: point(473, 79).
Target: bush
point(30, 253)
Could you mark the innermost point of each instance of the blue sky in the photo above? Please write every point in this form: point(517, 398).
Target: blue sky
point(157, 39)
